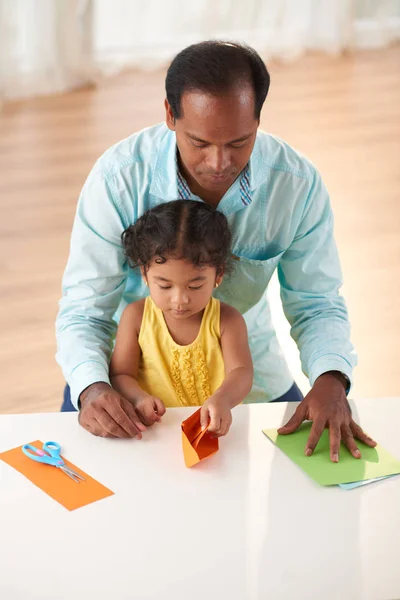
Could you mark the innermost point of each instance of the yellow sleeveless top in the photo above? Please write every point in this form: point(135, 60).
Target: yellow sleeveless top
point(180, 375)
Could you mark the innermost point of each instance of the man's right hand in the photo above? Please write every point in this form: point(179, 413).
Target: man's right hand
point(106, 413)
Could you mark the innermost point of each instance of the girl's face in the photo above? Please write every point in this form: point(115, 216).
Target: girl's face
point(179, 288)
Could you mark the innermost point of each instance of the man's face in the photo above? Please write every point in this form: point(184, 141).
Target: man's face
point(215, 136)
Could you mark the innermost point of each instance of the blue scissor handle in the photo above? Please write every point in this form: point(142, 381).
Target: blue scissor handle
point(52, 448)
point(39, 455)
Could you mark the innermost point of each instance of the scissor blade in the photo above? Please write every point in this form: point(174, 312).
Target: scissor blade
point(64, 470)
point(74, 473)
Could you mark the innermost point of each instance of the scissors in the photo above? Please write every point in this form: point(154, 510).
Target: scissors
point(50, 455)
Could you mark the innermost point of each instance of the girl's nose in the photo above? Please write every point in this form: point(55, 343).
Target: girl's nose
point(180, 298)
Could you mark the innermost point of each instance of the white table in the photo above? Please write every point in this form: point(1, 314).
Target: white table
point(246, 524)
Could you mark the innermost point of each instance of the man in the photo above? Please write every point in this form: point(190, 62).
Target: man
point(278, 208)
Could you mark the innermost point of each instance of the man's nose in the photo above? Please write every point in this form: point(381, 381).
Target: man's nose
point(219, 160)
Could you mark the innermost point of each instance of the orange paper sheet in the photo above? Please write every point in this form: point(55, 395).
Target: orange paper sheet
point(54, 482)
point(197, 444)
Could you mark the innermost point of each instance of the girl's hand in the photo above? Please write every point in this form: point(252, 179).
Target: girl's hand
point(149, 409)
point(217, 412)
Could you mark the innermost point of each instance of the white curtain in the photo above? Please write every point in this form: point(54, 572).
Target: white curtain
point(45, 46)
point(53, 45)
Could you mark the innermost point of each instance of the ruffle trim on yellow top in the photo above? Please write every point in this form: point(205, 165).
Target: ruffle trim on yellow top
point(180, 375)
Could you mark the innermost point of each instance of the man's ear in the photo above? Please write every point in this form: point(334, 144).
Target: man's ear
point(169, 116)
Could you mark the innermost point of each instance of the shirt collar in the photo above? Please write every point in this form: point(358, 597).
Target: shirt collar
point(246, 195)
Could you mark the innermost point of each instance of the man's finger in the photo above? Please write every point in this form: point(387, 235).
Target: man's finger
point(314, 437)
point(334, 441)
point(88, 419)
point(360, 435)
point(98, 430)
point(349, 441)
point(118, 414)
point(108, 427)
point(90, 425)
point(134, 417)
point(295, 421)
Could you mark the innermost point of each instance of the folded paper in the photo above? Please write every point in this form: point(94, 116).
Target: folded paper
point(196, 444)
point(54, 482)
point(356, 484)
point(374, 462)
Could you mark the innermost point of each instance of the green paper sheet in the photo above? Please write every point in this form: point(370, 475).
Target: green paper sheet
point(374, 462)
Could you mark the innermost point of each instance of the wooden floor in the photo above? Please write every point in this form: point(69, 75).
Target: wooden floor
point(343, 113)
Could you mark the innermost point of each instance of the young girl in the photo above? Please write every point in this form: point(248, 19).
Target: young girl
point(180, 346)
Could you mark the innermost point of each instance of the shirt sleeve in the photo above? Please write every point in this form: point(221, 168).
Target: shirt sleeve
point(92, 287)
point(310, 277)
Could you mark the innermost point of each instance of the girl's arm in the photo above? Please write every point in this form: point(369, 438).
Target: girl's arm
point(124, 365)
point(238, 372)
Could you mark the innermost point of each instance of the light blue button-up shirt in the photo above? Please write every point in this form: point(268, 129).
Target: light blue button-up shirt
point(280, 217)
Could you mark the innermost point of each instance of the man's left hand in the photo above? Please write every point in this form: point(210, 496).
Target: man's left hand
point(326, 406)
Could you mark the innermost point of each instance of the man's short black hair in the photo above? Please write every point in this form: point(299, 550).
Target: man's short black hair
point(215, 67)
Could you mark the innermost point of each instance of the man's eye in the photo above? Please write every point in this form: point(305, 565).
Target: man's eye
point(199, 145)
point(238, 145)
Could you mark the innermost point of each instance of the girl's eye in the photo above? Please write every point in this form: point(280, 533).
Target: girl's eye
point(165, 287)
point(195, 288)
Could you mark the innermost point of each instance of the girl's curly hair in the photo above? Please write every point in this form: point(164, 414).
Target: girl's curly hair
point(182, 229)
